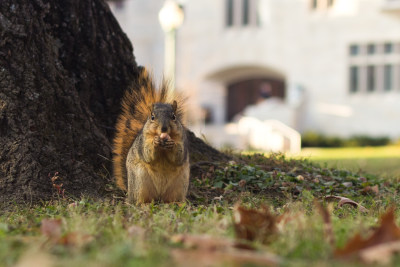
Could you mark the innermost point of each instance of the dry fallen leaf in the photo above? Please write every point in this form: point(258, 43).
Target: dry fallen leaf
point(326, 217)
point(251, 224)
point(75, 239)
point(366, 249)
point(51, 228)
point(204, 250)
point(371, 190)
point(347, 201)
point(206, 242)
point(380, 254)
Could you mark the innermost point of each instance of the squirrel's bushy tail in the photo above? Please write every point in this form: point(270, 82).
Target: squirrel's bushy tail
point(136, 108)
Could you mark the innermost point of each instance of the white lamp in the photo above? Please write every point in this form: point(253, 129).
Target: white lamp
point(170, 17)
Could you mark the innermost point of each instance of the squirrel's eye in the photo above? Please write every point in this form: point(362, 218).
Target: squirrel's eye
point(152, 117)
point(173, 117)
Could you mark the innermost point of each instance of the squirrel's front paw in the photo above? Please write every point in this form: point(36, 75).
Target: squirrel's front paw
point(168, 144)
point(157, 141)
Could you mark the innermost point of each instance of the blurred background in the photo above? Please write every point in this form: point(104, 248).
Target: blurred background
point(272, 74)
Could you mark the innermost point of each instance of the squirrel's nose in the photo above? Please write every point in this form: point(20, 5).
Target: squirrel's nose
point(164, 129)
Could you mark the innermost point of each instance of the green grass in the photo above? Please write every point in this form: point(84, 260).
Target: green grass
point(381, 161)
point(113, 233)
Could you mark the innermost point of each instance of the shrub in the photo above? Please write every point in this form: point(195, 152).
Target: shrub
point(313, 139)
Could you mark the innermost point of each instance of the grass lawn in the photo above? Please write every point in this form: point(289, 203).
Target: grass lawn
point(206, 230)
point(381, 161)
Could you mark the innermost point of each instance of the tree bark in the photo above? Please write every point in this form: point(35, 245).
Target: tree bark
point(64, 66)
point(60, 62)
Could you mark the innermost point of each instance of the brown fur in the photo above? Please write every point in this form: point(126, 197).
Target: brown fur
point(136, 109)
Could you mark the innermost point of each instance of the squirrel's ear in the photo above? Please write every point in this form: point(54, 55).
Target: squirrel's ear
point(174, 106)
point(152, 108)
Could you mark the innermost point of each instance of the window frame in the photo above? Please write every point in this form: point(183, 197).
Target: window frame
point(388, 77)
point(230, 13)
point(378, 67)
point(354, 83)
point(241, 14)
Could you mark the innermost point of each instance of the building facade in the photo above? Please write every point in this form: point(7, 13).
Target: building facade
point(328, 66)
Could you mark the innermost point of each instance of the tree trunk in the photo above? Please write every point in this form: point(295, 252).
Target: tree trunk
point(61, 61)
point(63, 68)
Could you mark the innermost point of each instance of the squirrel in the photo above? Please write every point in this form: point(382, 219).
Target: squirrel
point(150, 148)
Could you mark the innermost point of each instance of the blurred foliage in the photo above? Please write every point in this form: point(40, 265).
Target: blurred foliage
point(313, 139)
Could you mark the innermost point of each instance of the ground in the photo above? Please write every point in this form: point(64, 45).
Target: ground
point(87, 232)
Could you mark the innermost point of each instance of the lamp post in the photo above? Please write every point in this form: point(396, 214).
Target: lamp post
point(170, 17)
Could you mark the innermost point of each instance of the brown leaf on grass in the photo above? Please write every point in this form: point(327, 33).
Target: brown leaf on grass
point(326, 218)
point(204, 250)
point(51, 228)
point(209, 243)
point(75, 239)
point(380, 254)
point(347, 201)
point(371, 190)
point(387, 232)
point(251, 224)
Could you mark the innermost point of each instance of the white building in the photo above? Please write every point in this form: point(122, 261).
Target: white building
point(329, 66)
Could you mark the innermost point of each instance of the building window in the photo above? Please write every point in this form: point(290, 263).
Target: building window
point(371, 78)
point(371, 49)
point(241, 13)
point(245, 12)
point(373, 67)
point(388, 48)
point(321, 4)
point(314, 4)
point(229, 13)
point(354, 50)
point(354, 79)
point(208, 116)
point(388, 77)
